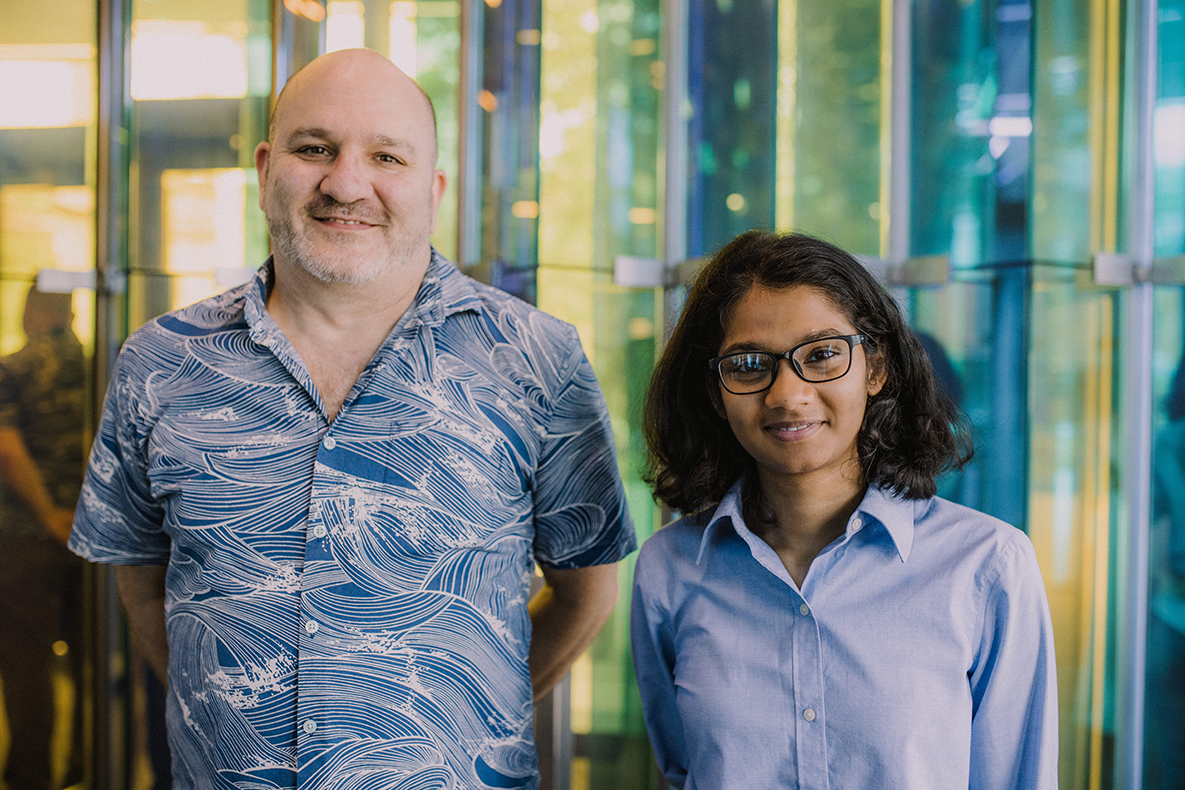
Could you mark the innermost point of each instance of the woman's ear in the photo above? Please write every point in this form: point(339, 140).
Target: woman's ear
point(877, 372)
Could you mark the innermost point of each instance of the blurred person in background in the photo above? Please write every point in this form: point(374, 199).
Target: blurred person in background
point(42, 455)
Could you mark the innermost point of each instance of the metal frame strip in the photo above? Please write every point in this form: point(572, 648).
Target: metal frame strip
point(1138, 375)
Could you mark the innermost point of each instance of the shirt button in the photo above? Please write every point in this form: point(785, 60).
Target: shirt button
point(329, 442)
point(319, 531)
point(809, 714)
point(310, 726)
point(311, 626)
point(857, 524)
point(805, 610)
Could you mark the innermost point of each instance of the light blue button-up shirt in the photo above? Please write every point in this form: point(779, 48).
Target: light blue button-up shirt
point(346, 602)
point(918, 654)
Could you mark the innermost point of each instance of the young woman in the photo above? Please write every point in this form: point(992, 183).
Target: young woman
point(819, 619)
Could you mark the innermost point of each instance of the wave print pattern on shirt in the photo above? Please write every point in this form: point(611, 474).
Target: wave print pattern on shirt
point(352, 614)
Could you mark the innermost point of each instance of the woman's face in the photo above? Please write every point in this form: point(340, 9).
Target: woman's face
point(796, 429)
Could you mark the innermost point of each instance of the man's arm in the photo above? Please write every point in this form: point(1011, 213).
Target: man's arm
point(566, 615)
point(24, 479)
point(142, 589)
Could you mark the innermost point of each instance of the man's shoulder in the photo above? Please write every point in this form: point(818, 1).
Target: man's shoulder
point(513, 320)
point(163, 342)
point(210, 316)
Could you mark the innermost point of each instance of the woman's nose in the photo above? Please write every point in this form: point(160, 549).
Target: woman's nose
point(788, 386)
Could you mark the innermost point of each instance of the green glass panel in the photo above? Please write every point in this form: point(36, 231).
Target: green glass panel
point(835, 131)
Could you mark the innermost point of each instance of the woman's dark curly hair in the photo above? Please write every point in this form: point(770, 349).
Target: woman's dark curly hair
point(911, 432)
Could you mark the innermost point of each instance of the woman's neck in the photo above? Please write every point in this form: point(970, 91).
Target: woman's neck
point(800, 517)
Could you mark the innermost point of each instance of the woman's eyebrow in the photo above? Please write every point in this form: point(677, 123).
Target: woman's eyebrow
point(742, 346)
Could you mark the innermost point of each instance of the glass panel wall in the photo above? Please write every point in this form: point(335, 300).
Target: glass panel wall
point(1164, 731)
point(423, 38)
point(601, 77)
point(48, 76)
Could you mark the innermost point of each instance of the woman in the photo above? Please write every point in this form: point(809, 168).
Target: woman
point(820, 619)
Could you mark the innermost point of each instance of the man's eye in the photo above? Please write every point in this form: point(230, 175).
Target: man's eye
point(389, 159)
point(313, 150)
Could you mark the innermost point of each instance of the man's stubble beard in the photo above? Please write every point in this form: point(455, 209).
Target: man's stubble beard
point(339, 264)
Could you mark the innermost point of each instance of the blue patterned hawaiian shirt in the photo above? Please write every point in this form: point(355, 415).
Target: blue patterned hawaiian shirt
point(346, 601)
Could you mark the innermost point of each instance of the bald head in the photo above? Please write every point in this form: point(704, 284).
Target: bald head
point(363, 71)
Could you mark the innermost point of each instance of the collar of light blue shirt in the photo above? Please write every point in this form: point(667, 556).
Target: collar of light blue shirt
point(878, 508)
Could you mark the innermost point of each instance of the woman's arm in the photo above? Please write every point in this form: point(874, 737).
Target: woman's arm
point(1014, 737)
point(654, 664)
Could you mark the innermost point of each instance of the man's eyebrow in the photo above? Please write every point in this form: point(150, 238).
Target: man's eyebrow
point(310, 131)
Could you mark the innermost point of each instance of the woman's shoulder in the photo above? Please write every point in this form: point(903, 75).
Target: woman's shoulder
point(973, 533)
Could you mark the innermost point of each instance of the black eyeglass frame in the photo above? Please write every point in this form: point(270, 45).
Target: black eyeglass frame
point(851, 340)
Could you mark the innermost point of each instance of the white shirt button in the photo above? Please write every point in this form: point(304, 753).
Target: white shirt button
point(329, 442)
point(805, 610)
point(309, 726)
point(311, 626)
point(857, 524)
point(809, 714)
point(319, 531)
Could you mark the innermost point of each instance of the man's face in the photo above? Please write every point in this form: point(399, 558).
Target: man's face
point(348, 182)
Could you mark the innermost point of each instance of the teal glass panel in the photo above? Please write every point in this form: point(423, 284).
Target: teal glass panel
point(1164, 713)
point(1169, 131)
point(971, 129)
point(1044, 406)
point(732, 46)
point(1164, 706)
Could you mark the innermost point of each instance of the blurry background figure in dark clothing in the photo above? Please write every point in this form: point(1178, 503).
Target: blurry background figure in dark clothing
point(42, 455)
point(1164, 742)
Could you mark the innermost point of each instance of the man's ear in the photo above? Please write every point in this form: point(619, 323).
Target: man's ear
point(263, 153)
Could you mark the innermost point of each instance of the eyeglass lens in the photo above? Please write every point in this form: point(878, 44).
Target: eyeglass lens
point(817, 361)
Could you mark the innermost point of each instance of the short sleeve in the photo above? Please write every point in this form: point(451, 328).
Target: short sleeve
point(117, 520)
point(581, 517)
point(1014, 737)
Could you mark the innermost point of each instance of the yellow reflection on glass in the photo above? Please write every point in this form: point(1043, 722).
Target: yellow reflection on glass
point(45, 227)
point(403, 36)
point(203, 225)
point(188, 60)
point(345, 27)
point(44, 87)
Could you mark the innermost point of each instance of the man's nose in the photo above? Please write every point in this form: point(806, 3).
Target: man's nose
point(788, 387)
point(346, 179)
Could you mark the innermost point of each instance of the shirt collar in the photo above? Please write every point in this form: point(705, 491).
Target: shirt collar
point(443, 292)
point(895, 514)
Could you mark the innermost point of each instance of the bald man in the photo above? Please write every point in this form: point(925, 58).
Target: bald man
point(325, 491)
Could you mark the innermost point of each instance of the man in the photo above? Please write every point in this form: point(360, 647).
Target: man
point(42, 408)
point(330, 486)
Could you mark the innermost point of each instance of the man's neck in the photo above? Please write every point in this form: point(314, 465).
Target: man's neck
point(336, 328)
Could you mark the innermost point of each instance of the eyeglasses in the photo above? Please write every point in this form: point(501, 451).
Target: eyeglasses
point(815, 361)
